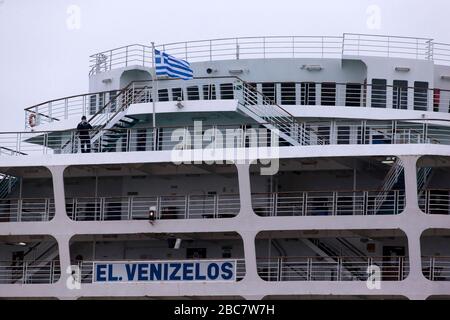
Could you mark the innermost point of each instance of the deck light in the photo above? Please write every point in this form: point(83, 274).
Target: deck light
point(179, 104)
point(402, 69)
point(236, 71)
point(312, 67)
point(389, 160)
point(152, 214)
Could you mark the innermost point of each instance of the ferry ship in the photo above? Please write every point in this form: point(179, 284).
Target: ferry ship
point(289, 167)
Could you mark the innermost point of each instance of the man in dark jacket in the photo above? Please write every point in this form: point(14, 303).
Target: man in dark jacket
point(84, 135)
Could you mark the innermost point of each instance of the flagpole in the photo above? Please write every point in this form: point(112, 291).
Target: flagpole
point(154, 84)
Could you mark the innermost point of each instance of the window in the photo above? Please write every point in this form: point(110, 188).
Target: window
point(353, 95)
point(163, 95)
point(269, 90)
point(308, 94)
point(420, 96)
point(209, 92)
point(92, 104)
point(436, 99)
point(343, 135)
point(328, 94)
point(379, 93)
point(101, 102)
point(226, 91)
point(177, 94)
point(112, 97)
point(193, 93)
point(400, 94)
point(288, 94)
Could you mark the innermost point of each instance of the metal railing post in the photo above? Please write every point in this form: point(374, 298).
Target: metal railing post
point(216, 206)
point(432, 264)
point(130, 208)
point(66, 108)
point(210, 50)
point(339, 269)
point(19, 210)
point(334, 204)
point(309, 269)
point(186, 207)
point(24, 272)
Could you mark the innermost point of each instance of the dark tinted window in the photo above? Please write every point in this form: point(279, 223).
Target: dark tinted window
point(400, 94)
point(268, 89)
point(193, 93)
point(420, 95)
point(226, 91)
point(328, 94)
point(288, 94)
point(353, 95)
point(379, 93)
point(308, 94)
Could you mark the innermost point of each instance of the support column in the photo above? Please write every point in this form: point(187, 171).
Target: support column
point(251, 270)
point(410, 170)
point(59, 193)
point(415, 257)
point(245, 193)
point(67, 290)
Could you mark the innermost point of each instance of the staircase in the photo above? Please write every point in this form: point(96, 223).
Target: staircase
point(110, 138)
point(107, 125)
point(332, 249)
point(395, 177)
point(38, 257)
point(424, 176)
point(7, 184)
point(270, 115)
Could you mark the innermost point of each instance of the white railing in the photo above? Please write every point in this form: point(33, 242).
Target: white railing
point(269, 269)
point(435, 202)
point(370, 132)
point(327, 203)
point(269, 47)
point(29, 272)
point(436, 268)
point(332, 269)
point(26, 210)
point(266, 100)
point(387, 46)
point(221, 49)
point(167, 207)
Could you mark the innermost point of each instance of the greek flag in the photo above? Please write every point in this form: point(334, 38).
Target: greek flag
point(167, 65)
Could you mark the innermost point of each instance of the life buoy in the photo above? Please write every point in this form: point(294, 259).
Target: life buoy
point(32, 120)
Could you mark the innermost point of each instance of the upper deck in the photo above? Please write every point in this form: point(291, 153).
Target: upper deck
point(349, 45)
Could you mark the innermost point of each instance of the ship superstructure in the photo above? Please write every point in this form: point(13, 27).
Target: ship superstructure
point(289, 167)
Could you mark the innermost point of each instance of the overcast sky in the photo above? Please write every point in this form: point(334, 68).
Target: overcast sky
point(45, 44)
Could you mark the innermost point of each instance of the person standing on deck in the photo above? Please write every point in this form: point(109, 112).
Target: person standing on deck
point(83, 129)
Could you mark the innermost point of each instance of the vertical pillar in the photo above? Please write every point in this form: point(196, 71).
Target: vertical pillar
point(410, 170)
point(340, 94)
point(318, 94)
point(415, 277)
point(59, 193)
point(251, 269)
point(245, 193)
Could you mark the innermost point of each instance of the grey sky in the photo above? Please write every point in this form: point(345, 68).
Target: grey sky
point(41, 58)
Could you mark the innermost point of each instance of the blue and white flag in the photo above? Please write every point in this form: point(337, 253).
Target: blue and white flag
point(167, 65)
